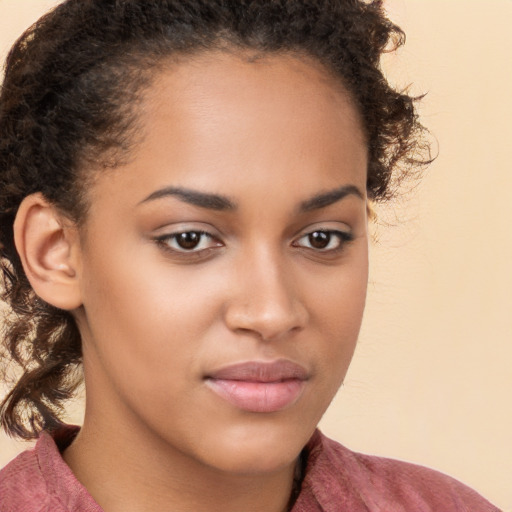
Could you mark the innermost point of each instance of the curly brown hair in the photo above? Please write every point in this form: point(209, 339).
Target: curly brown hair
point(72, 83)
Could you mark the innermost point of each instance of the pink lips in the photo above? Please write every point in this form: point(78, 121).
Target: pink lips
point(257, 386)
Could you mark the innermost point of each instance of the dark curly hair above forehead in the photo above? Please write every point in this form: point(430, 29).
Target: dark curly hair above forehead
point(69, 98)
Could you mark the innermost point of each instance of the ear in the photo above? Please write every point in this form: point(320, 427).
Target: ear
point(49, 249)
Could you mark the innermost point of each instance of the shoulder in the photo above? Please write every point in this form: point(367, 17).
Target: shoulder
point(38, 480)
point(22, 486)
point(370, 483)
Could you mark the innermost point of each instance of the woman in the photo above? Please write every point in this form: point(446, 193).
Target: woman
point(185, 188)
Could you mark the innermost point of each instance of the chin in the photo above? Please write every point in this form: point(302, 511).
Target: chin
point(249, 460)
point(257, 448)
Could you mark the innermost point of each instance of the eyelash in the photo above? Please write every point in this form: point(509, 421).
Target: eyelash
point(343, 238)
point(166, 241)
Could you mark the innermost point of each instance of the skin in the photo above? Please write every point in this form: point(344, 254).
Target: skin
point(268, 134)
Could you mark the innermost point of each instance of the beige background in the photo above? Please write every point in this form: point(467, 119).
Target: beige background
point(431, 379)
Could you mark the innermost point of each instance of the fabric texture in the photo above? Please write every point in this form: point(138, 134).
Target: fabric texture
point(336, 480)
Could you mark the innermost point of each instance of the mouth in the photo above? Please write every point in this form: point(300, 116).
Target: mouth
point(259, 387)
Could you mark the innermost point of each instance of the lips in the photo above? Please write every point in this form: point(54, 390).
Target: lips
point(259, 387)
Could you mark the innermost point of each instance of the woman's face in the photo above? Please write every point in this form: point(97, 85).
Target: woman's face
point(223, 270)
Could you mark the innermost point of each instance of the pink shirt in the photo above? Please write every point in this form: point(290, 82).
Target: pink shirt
point(336, 480)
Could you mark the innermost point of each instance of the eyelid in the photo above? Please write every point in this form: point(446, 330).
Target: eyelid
point(169, 236)
point(175, 235)
point(326, 226)
point(344, 236)
point(166, 238)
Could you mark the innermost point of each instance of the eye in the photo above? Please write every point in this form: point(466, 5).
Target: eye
point(324, 240)
point(188, 241)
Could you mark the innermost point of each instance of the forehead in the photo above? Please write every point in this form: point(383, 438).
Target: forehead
point(224, 83)
point(218, 121)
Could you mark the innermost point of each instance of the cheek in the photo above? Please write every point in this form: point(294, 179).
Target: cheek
point(340, 301)
point(337, 314)
point(147, 316)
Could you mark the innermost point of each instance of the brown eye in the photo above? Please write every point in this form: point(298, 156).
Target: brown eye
point(328, 240)
point(189, 240)
point(319, 239)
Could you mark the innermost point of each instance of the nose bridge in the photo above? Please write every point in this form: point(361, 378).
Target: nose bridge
point(265, 300)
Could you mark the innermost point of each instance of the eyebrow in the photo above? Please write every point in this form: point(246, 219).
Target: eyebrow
point(222, 203)
point(325, 199)
point(194, 197)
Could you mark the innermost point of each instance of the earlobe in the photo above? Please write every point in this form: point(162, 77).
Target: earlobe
point(48, 246)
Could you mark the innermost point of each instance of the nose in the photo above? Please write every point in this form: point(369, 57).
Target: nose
point(264, 300)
